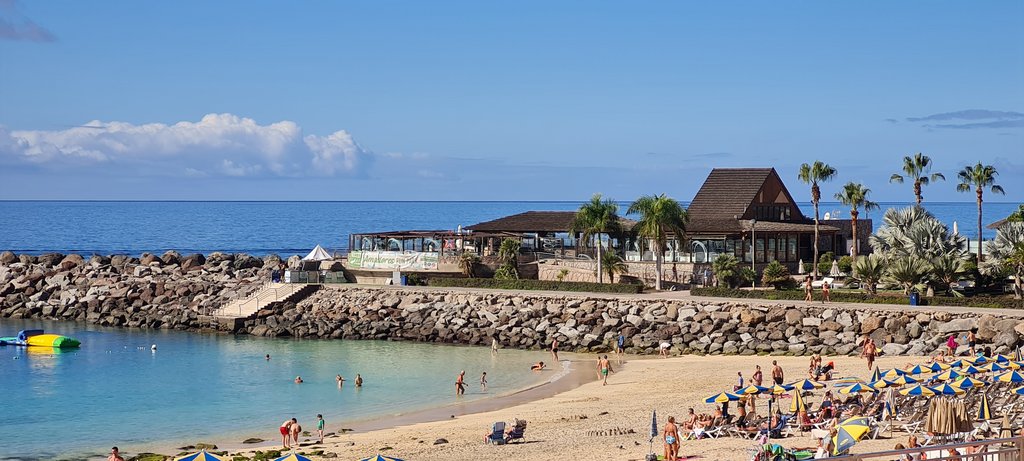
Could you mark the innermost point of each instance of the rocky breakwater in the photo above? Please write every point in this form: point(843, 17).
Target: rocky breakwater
point(591, 323)
point(166, 291)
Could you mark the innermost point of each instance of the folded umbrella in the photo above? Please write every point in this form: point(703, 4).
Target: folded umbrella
point(798, 404)
point(984, 410)
point(875, 375)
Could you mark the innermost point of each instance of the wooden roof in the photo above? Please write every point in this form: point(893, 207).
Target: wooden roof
point(535, 221)
point(723, 203)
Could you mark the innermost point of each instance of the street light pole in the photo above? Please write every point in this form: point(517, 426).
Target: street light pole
point(753, 253)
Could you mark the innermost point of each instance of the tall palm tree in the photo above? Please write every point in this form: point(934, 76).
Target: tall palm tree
point(659, 215)
point(855, 195)
point(596, 217)
point(978, 177)
point(813, 174)
point(917, 168)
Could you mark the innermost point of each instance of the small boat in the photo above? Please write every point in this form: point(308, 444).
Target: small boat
point(40, 339)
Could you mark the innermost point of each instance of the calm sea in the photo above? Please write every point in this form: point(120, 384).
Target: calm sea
point(115, 391)
point(290, 228)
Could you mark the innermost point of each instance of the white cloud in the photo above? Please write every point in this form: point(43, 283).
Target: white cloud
point(218, 144)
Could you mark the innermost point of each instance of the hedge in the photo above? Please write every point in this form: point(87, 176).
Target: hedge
point(524, 284)
point(857, 297)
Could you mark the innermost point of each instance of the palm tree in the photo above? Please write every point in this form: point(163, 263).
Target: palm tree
point(725, 267)
point(596, 217)
point(855, 195)
point(813, 174)
point(613, 264)
point(979, 177)
point(1006, 253)
point(917, 168)
point(467, 263)
point(908, 272)
point(869, 270)
point(659, 215)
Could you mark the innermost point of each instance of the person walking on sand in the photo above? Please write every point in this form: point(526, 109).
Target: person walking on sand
point(620, 345)
point(825, 292)
point(777, 374)
point(808, 289)
point(483, 382)
point(603, 368)
point(869, 353)
point(296, 430)
point(286, 431)
point(671, 437)
point(740, 384)
point(554, 349)
point(115, 455)
point(758, 376)
point(460, 383)
point(320, 427)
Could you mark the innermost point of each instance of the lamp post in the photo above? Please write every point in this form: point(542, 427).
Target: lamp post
point(753, 253)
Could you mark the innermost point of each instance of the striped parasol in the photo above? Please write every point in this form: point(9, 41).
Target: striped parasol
point(919, 390)
point(971, 369)
point(938, 366)
point(881, 384)
point(798, 404)
point(1019, 390)
point(946, 389)
point(904, 380)
point(996, 366)
point(918, 369)
point(807, 385)
point(1010, 377)
point(892, 373)
point(298, 457)
point(978, 360)
point(753, 389)
point(984, 411)
point(875, 375)
point(967, 382)
point(961, 363)
point(779, 389)
point(849, 432)
point(374, 458)
point(201, 456)
point(1016, 365)
point(722, 398)
point(1000, 358)
point(857, 388)
point(948, 375)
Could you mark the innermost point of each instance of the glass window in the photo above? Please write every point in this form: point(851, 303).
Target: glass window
point(771, 249)
point(760, 250)
point(791, 248)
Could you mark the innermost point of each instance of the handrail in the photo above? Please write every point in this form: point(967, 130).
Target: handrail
point(1009, 449)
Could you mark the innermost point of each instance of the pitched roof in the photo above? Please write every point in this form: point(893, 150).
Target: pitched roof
point(535, 221)
point(727, 192)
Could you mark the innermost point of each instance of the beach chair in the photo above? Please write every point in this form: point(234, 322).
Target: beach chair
point(497, 435)
point(517, 433)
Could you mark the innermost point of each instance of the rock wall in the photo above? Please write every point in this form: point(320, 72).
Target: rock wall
point(167, 291)
point(592, 322)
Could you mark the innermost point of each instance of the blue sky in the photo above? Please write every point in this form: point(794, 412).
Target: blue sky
point(498, 101)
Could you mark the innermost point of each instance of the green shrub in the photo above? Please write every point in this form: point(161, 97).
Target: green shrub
point(825, 263)
point(846, 264)
point(808, 267)
point(860, 297)
point(546, 285)
point(777, 275)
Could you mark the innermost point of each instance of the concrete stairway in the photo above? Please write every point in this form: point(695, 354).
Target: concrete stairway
point(268, 294)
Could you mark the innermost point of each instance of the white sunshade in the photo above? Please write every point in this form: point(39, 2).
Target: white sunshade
point(318, 254)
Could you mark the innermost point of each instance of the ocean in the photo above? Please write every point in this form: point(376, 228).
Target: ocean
point(115, 390)
point(288, 228)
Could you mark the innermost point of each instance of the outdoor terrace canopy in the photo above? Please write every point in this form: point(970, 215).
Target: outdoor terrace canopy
point(540, 222)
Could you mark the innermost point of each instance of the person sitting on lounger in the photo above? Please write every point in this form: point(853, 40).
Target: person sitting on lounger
point(691, 421)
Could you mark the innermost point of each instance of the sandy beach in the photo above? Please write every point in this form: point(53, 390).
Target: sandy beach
point(594, 421)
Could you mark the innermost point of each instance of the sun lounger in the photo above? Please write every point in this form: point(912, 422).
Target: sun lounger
point(517, 433)
point(497, 435)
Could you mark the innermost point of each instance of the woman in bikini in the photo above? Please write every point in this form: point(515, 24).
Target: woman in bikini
point(671, 436)
point(808, 289)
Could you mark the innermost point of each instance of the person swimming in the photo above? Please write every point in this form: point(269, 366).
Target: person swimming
point(537, 366)
point(298, 380)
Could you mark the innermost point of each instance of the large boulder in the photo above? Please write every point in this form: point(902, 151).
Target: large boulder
point(71, 261)
point(171, 258)
point(215, 258)
point(271, 261)
point(957, 325)
point(8, 257)
point(149, 259)
point(247, 261)
point(192, 261)
point(50, 259)
point(870, 324)
point(294, 262)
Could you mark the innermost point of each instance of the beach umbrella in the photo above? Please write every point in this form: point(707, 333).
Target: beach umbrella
point(971, 369)
point(1005, 429)
point(904, 380)
point(875, 375)
point(918, 369)
point(798, 404)
point(201, 456)
point(857, 388)
point(298, 457)
point(892, 373)
point(806, 385)
point(938, 366)
point(372, 458)
point(654, 427)
point(1018, 355)
point(881, 384)
point(834, 272)
point(956, 227)
point(948, 375)
point(919, 390)
point(1015, 365)
point(1010, 377)
point(967, 382)
point(849, 432)
point(753, 389)
point(722, 397)
point(946, 389)
point(961, 363)
point(984, 410)
point(779, 389)
point(977, 360)
point(1019, 390)
point(800, 267)
point(1000, 358)
point(995, 366)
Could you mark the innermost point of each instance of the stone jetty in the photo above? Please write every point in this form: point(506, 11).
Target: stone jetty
point(172, 291)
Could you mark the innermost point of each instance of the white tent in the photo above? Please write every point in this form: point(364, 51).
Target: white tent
point(318, 254)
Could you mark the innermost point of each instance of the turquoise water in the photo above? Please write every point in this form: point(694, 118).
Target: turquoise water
point(116, 391)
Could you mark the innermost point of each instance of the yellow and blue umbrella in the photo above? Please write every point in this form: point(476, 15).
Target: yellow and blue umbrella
point(881, 384)
point(722, 398)
point(201, 456)
point(938, 366)
point(919, 390)
point(807, 385)
point(984, 411)
point(875, 375)
point(918, 369)
point(967, 382)
point(996, 366)
point(1019, 390)
point(857, 388)
point(1000, 358)
point(961, 363)
point(296, 457)
point(753, 389)
point(849, 432)
point(779, 389)
point(1016, 365)
point(978, 360)
point(971, 369)
point(798, 404)
point(1010, 377)
point(380, 458)
point(892, 373)
point(946, 389)
point(904, 380)
point(948, 375)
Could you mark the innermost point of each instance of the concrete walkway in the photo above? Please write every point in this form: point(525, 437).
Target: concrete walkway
point(686, 297)
point(269, 293)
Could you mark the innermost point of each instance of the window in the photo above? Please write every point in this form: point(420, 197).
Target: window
point(771, 249)
point(792, 248)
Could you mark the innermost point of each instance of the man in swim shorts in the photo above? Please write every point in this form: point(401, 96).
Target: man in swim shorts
point(460, 383)
point(286, 430)
point(604, 367)
point(115, 455)
point(777, 372)
point(296, 430)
